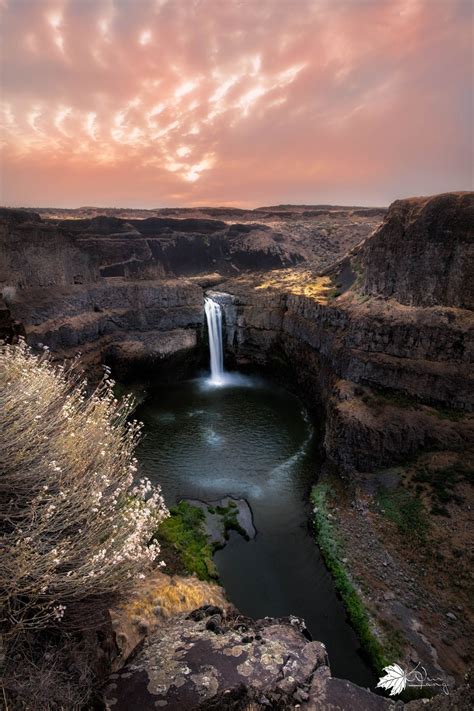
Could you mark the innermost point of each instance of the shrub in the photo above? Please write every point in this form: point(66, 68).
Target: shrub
point(74, 526)
point(9, 294)
point(406, 511)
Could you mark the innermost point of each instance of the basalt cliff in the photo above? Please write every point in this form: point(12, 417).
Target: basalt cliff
point(131, 289)
point(369, 313)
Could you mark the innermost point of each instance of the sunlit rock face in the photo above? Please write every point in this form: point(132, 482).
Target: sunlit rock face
point(153, 602)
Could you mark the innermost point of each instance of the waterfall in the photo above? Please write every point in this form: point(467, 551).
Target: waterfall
point(214, 326)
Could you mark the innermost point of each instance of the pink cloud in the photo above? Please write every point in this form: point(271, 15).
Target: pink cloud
point(156, 102)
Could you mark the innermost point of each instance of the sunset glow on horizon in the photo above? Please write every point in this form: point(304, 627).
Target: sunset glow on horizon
point(149, 103)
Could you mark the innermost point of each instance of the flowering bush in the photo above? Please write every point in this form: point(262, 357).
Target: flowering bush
point(75, 527)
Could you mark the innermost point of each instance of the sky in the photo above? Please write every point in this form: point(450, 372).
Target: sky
point(151, 103)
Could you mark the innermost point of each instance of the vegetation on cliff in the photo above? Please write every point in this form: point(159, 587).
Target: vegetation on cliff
point(333, 553)
point(75, 526)
point(406, 511)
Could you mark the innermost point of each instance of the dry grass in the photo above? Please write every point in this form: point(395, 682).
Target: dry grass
point(172, 595)
point(300, 283)
point(157, 598)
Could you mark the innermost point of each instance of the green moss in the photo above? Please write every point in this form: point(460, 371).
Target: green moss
point(406, 511)
point(184, 531)
point(231, 524)
point(394, 640)
point(333, 552)
point(229, 515)
point(221, 510)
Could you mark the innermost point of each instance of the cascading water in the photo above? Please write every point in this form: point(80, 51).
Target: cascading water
point(213, 312)
point(208, 439)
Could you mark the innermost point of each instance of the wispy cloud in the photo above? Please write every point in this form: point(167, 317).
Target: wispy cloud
point(151, 102)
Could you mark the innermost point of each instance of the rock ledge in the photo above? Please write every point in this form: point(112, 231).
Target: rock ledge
point(216, 659)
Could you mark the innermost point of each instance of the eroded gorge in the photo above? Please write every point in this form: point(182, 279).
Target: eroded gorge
point(365, 314)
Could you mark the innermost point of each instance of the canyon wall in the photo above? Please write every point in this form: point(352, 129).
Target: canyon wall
point(424, 253)
point(384, 348)
point(376, 330)
point(129, 291)
point(389, 372)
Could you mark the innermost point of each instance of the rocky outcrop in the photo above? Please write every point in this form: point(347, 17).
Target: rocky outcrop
point(386, 372)
point(155, 600)
point(423, 255)
point(213, 659)
point(127, 290)
point(130, 292)
point(224, 515)
point(123, 323)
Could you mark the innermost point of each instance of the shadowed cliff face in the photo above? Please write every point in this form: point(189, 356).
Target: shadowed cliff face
point(423, 255)
point(393, 314)
point(40, 251)
point(376, 331)
point(128, 290)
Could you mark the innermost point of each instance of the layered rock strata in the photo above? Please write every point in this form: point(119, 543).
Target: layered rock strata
point(388, 372)
point(127, 290)
point(393, 317)
point(381, 344)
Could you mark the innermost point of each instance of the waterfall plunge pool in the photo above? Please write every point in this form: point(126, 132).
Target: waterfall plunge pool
point(253, 442)
point(246, 437)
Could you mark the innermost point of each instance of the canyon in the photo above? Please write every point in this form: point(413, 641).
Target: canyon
point(367, 313)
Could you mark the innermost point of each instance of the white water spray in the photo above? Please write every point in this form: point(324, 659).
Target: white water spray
point(214, 326)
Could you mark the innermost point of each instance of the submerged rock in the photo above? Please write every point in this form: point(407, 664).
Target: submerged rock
point(225, 515)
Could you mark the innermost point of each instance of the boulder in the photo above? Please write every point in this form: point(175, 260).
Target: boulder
point(213, 659)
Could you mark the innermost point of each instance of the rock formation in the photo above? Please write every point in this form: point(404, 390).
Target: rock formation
point(215, 658)
point(349, 348)
point(424, 253)
point(127, 291)
point(376, 330)
point(218, 659)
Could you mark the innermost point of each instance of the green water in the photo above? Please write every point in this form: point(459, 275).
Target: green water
point(253, 440)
